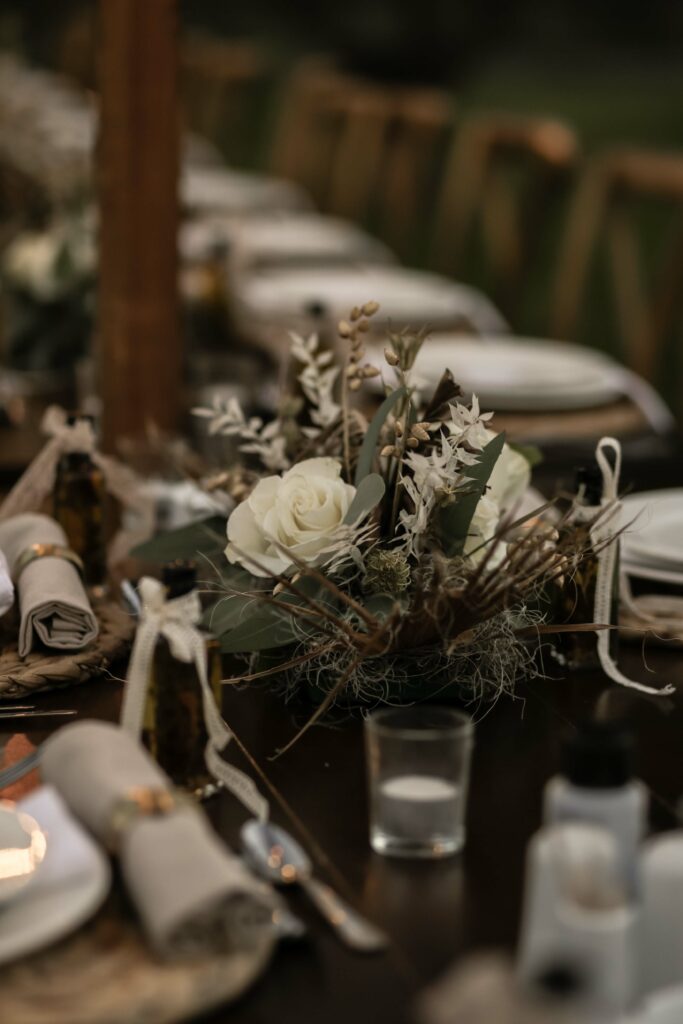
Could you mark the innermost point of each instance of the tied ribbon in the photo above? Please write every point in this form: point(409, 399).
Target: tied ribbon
point(37, 482)
point(604, 538)
point(176, 621)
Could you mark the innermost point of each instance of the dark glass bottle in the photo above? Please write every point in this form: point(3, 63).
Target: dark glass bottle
point(79, 508)
point(174, 730)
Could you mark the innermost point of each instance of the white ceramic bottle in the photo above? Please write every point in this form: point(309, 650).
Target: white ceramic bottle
point(597, 786)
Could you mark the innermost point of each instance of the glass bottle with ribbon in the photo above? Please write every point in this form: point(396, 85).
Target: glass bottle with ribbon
point(79, 502)
point(174, 723)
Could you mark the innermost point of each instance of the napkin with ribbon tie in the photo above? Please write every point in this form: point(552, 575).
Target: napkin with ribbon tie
point(53, 604)
point(193, 896)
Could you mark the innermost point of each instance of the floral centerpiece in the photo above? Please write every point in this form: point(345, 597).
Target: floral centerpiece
point(383, 556)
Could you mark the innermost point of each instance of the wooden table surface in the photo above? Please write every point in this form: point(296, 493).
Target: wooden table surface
point(434, 912)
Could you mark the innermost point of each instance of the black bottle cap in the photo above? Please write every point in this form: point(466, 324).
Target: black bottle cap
point(600, 756)
point(179, 577)
point(316, 309)
point(560, 982)
point(589, 480)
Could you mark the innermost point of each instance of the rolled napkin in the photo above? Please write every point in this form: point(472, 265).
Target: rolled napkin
point(6, 586)
point(193, 896)
point(53, 603)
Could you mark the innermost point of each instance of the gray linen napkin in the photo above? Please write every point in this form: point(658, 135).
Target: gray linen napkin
point(193, 896)
point(54, 605)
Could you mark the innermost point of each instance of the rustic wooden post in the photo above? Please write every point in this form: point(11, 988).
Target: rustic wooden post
point(138, 335)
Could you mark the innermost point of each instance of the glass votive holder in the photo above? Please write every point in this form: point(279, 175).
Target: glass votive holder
point(418, 774)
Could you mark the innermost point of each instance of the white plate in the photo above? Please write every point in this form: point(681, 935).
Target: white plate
point(653, 538)
point(223, 189)
point(23, 845)
point(522, 373)
point(406, 297)
point(69, 887)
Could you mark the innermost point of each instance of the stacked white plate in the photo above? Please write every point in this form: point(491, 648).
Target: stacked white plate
point(510, 373)
point(224, 190)
point(281, 239)
point(652, 544)
point(407, 298)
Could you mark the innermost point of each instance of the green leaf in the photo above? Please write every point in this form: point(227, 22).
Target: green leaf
point(265, 627)
point(206, 537)
point(531, 452)
point(369, 446)
point(453, 521)
point(369, 494)
point(228, 612)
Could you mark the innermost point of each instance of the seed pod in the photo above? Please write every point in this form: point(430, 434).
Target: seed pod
point(355, 384)
point(370, 371)
point(278, 588)
point(389, 450)
point(426, 425)
point(355, 314)
point(351, 371)
point(420, 433)
point(398, 428)
point(344, 329)
point(370, 308)
point(413, 442)
point(391, 357)
point(363, 326)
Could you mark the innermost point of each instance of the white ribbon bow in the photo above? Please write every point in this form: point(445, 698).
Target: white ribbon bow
point(176, 620)
point(604, 538)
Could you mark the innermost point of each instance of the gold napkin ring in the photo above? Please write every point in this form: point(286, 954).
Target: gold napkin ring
point(142, 802)
point(36, 551)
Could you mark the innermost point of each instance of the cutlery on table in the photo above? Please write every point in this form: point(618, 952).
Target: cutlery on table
point(279, 858)
point(36, 713)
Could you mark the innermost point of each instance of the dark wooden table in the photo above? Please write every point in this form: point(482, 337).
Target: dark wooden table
point(434, 912)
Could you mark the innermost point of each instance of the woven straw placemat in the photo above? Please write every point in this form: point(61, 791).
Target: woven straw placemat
point(43, 670)
point(105, 974)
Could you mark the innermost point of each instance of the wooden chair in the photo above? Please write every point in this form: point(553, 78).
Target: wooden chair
point(609, 198)
point(364, 151)
point(221, 84)
point(500, 178)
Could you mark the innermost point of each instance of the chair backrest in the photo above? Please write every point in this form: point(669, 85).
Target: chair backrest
point(500, 178)
point(616, 189)
point(363, 150)
point(221, 82)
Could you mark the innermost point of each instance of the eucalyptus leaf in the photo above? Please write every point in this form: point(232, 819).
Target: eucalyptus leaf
point(266, 627)
point(531, 452)
point(206, 537)
point(369, 446)
point(454, 520)
point(368, 495)
point(228, 612)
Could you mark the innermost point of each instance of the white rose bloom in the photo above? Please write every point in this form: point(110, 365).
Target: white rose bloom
point(510, 478)
point(301, 510)
point(482, 528)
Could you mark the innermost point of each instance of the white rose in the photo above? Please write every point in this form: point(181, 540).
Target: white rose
point(482, 528)
point(510, 478)
point(301, 510)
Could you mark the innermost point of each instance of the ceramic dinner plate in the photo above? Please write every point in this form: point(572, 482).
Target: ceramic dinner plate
point(406, 297)
point(522, 373)
point(652, 544)
point(230, 191)
point(69, 887)
point(23, 845)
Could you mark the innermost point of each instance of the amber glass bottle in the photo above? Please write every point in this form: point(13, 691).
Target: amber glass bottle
point(79, 507)
point(174, 730)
